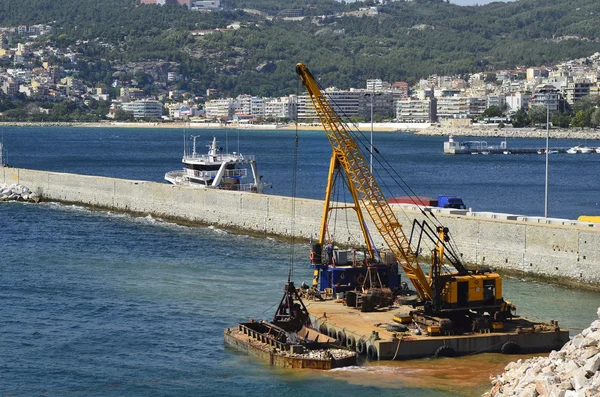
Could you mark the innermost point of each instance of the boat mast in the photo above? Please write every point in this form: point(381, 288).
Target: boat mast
point(194, 143)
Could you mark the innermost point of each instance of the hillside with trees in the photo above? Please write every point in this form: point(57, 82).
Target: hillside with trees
point(403, 41)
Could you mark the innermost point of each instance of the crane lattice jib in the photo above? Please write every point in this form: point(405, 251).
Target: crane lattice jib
point(368, 191)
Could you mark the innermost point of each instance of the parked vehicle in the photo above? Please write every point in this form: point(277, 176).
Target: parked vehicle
point(443, 201)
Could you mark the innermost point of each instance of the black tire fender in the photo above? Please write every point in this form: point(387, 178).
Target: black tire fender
point(372, 352)
point(332, 333)
point(396, 328)
point(361, 347)
point(510, 347)
point(445, 351)
point(350, 342)
point(323, 329)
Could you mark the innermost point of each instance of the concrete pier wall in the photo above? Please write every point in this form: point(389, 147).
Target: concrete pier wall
point(567, 252)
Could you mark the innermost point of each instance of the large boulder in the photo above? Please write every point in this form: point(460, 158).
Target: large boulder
point(17, 193)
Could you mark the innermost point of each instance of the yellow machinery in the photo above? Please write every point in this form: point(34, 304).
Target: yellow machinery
point(439, 291)
point(589, 218)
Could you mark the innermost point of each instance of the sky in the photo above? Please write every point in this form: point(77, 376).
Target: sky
point(471, 2)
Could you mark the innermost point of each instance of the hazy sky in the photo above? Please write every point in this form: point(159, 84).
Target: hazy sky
point(471, 2)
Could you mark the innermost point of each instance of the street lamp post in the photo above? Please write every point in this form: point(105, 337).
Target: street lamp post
point(371, 151)
point(547, 152)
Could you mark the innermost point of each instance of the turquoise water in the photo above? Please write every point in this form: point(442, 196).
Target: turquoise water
point(97, 303)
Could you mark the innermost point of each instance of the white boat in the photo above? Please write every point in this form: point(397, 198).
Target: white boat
point(216, 170)
point(585, 149)
point(506, 152)
point(573, 150)
point(598, 150)
point(550, 151)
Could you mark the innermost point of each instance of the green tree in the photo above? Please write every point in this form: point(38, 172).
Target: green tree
point(492, 111)
point(537, 115)
point(595, 119)
point(562, 120)
point(581, 119)
point(520, 119)
point(490, 78)
point(122, 115)
point(587, 103)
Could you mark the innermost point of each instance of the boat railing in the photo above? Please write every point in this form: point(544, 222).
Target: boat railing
point(236, 172)
point(246, 187)
point(221, 157)
point(262, 337)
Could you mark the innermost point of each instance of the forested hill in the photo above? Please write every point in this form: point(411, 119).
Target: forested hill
point(403, 41)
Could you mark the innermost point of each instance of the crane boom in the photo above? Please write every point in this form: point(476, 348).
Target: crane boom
point(364, 188)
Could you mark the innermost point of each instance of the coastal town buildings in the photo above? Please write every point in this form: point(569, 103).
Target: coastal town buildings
point(144, 109)
point(34, 72)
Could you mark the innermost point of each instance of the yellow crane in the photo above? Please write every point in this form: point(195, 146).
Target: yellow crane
point(458, 290)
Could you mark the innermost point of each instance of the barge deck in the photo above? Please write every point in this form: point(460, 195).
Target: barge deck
point(368, 333)
point(322, 355)
point(286, 341)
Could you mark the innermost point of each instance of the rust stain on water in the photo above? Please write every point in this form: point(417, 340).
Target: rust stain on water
point(465, 376)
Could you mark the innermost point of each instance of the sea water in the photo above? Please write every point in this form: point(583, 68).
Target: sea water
point(500, 183)
point(98, 303)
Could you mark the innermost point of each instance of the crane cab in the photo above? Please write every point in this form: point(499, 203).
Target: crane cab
point(478, 290)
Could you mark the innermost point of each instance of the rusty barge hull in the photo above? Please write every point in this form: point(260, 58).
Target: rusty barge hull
point(266, 352)
point(364, 332)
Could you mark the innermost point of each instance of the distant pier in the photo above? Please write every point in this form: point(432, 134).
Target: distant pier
point(481, 147)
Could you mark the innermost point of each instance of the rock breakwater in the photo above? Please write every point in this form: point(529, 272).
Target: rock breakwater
point(508, 132)
point(17, 193)
point(573, 371)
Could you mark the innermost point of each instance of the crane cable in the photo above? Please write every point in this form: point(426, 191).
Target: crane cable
point(294, 186)
point(360, 138)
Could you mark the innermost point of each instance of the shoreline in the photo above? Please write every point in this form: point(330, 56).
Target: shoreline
point(491, 131)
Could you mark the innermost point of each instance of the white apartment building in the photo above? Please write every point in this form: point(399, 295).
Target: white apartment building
point(249, 105)
point(574, 91)
point(497, 100)
point(145, 108)
point(516, 101)
point(206, 5)
point(416, 110)
point(544, 96)
point(455, 107)
point(345, 104)
point(377, 85)
point(280, 108)
point(459, 107)
point(219, 108)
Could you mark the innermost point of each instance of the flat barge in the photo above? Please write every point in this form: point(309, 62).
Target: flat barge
point(287, 341)
point(376, 335)
point(321, 353)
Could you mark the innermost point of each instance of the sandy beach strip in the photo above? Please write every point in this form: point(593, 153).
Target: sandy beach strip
point(485, 131)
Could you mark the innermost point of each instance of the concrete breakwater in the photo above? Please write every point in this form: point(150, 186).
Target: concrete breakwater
point(571, 371)
point(565, 251)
